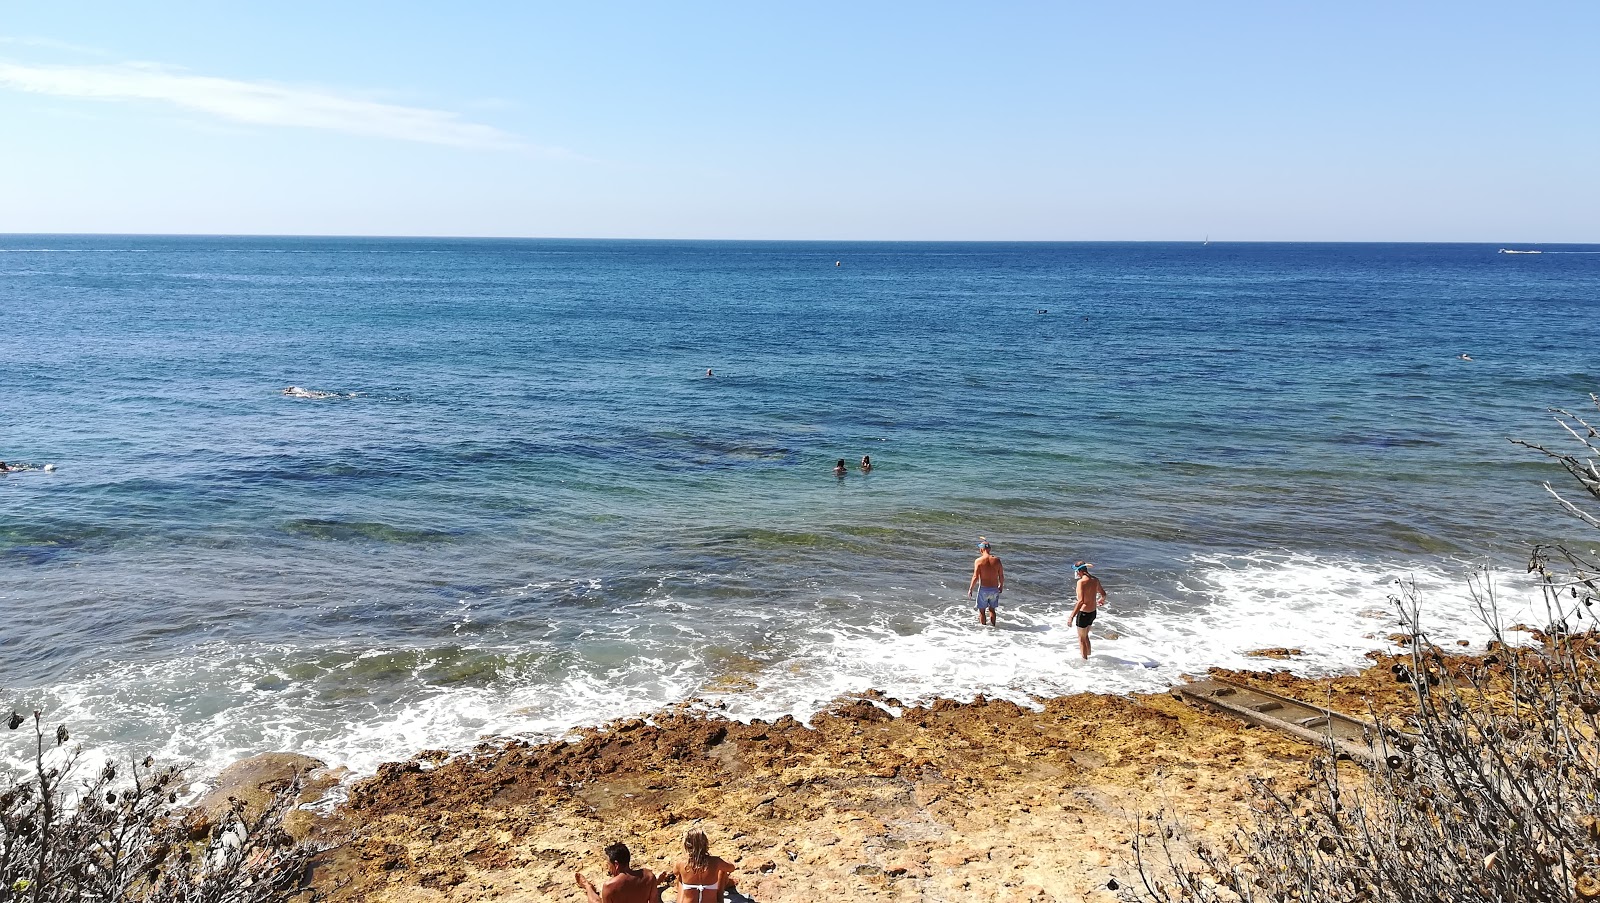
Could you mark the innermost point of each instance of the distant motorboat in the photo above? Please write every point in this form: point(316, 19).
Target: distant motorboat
point(1509, 251)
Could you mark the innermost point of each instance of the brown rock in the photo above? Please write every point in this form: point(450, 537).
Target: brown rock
point(1275, 652)
point(256, 781)
point(907, 868)
point(962, 802)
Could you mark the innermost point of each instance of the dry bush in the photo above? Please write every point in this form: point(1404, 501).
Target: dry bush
point(1487, 789)
point(119, 835)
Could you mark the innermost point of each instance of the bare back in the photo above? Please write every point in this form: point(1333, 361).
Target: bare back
point(987, 570)
point(704, 884)
point(1090, 593)
point(630, 887)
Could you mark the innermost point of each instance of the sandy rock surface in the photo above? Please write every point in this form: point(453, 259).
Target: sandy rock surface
point(950, 802)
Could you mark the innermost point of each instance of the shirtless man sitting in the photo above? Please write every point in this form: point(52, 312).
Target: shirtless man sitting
point(989, 578)
point(625, 885)
point(1091, 595)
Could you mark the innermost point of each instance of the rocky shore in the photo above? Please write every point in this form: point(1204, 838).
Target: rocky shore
point(872, 801)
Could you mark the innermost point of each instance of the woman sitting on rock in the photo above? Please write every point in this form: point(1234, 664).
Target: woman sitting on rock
point(702, 877)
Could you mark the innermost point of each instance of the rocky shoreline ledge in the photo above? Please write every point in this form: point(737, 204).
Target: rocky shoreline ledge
point(951, 801)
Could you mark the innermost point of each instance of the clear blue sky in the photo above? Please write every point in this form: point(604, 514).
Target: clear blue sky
point(916, 120)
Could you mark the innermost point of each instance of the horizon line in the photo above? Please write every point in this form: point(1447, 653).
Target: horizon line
point(1057, 241)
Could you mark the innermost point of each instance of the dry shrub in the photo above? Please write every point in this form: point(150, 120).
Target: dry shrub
point(120, 835)
point(1488, 788)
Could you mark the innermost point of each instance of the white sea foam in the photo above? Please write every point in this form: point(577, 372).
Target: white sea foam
point(221, 702)
point(1334, 612)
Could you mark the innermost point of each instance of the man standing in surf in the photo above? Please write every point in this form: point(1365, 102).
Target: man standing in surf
point(989, 578)
point(1091, 595)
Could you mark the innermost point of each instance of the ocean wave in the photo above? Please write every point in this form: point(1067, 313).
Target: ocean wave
point(359, 706)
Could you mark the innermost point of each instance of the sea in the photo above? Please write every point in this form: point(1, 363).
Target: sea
point(527, 486)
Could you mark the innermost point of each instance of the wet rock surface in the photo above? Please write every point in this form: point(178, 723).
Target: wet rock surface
point(256, 781)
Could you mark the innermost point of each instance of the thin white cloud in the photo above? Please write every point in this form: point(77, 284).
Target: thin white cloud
point(256, 103)
point(52, 44)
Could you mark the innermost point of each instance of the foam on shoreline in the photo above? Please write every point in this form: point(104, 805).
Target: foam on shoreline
point(360, 708)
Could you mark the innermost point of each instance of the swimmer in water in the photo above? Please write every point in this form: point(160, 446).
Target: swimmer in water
point(1466, 357)
point(839, 469)
point(297, 392)
point(866, 463)
point(708, 371)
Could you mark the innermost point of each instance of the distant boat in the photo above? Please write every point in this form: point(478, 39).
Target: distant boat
point(1207, 241)
point(1509, 251)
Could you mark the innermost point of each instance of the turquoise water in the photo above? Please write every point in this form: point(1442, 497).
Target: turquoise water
point(525, 506)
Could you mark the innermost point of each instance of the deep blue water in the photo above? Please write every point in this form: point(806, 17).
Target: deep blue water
point(529, 508)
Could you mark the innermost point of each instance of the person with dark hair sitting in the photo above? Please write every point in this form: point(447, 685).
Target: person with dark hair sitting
point(624, 884)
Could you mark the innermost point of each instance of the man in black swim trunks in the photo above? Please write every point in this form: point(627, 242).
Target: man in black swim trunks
point(1091, 595)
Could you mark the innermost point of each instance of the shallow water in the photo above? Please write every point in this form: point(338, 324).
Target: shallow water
point(533, 510)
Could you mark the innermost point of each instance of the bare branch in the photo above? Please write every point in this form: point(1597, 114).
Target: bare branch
point(1490, 792)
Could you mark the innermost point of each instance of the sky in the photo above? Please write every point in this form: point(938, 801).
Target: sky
point(1052, 121)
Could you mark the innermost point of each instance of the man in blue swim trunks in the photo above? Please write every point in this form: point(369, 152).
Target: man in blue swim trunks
point(989, 579)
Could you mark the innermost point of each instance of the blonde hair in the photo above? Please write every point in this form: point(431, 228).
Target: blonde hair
point(698, 848)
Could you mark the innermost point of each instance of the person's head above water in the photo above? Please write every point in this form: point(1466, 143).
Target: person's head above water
point(867, 460)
